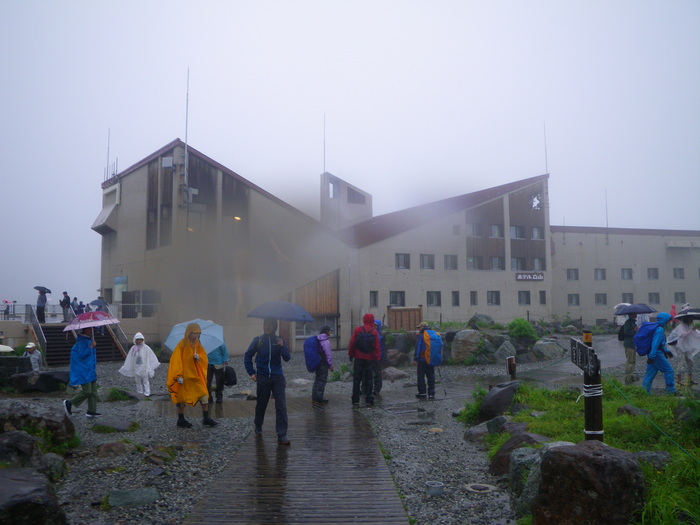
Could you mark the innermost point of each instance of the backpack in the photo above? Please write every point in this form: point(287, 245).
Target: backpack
point(312, 353)
point(433, 347)
point(364, 341)
point(230, 378)
point(621, 333)
point(644, 337)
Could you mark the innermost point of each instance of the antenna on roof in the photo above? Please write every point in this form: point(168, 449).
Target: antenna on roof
point(324, 143)
point(546, 166)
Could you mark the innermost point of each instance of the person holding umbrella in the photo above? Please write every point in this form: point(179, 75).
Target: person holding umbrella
point(83, 372)
point(269, 377)
point(187, 376)
point(628, 330)
point(41, 305)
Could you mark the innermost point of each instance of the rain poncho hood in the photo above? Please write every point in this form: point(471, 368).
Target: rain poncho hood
point(663, 318)
point(140, 361)
point(193, 372)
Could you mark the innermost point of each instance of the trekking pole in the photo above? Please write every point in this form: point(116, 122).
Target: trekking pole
point(441, 381)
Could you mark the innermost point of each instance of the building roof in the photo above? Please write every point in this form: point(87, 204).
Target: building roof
point(624, 231)
point(388, 225)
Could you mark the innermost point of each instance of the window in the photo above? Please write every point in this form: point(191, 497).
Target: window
point(601, 299)
point(599, 274)
point(373, 298)
point(572, 299)
point(397, 298)
point(427, 261)
point(493, 298)
point(537, 233)
point(474, 229)
point(572, 274)
point(626, 274)
point(473, 300)
point(653, 274)
point(678, 273)
point(517, 263)
point(455, 298)
point(475, 263)
point(517, 232)
point(496, 230)
point(538, 264)
point(524, 297)
point(455, 229)
point(433, 299)
point(679, 297)
point(497, 263)
point(654, 298)
point(543, 297)
point(628, 298)
point(403, 261)
point(450, 262)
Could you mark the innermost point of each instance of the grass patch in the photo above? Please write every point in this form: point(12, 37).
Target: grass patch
point(672, 494)
point(116, 394)
point(48, 441)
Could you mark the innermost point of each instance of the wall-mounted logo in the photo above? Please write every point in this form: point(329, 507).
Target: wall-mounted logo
point(529, 276)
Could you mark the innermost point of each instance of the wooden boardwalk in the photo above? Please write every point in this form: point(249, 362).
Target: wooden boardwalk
point(332, 473)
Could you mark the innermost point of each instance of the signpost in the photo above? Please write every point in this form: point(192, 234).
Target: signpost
point(583, 356)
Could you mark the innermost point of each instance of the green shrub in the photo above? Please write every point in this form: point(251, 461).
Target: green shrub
point(470, 412)
point(520, 328)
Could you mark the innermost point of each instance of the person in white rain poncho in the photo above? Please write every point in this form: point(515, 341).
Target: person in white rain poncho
point(140, 364)
point(686, 339)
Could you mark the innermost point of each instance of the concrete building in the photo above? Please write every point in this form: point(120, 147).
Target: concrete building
point(185, 237)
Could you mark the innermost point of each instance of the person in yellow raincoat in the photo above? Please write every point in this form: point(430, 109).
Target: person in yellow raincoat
point(187, 376)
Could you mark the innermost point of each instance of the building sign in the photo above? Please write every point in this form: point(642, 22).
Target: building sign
point(529, 276)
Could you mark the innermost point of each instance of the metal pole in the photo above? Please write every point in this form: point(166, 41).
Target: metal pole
point(593, 393)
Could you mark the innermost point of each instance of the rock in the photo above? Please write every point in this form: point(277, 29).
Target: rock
point(19, 449)
point(113, 449)
point(588, 484)
point(497, 401)
point(27, 497)
point(505, 350)
point(465, 345)
point(50, 381)
point(500, 463)
point(658, 458)
point(21, 414)
point(132, 497)
point(54, 466)
point(396, 358)
point(476, 433)
point(402, 343)
point(524, 472)
point(478, 319)
point(495, 425)
point(393, 374)
point(548, 349)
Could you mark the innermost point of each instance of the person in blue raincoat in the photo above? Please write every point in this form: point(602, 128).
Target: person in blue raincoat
point(657, 358)
point(83, 372)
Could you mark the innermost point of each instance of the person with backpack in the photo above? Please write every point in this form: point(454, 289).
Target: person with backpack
point(326, 364)
point(657, 357)
point(268, 375)
point(423, 367)
point(628, 331)
point(363, 351)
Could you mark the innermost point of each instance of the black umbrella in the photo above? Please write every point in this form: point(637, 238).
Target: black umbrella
point(98, 302)
point(639, 308)
point(42, 289)
point(693, 313)
point(282, 310)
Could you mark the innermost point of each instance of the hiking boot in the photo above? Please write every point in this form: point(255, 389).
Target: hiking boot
point(183, 423)
point(258, 431)
point(68, 407)
point(219, 400)
point(369, 404)
point(92, 414)
point(209, 422)
point(284, 442)
point(431, 397)
point(421, 396)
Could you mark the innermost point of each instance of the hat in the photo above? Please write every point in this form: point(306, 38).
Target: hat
point(423, 324)
point(325, 328)
point(29, 345)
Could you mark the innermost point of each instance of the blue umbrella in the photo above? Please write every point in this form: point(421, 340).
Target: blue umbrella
point(639, 308)
point(282, 310)
point(212, 334)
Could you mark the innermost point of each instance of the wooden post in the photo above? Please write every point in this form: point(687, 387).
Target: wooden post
point(593, 393)
point(510, 367)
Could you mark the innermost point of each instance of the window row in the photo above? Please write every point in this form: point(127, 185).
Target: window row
point(497, 231)
point(626, 274)
point(601, 299)
point(475, 262)
point(434, 298)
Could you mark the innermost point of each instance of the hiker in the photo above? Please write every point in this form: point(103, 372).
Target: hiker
point(325, 365)
point(83, 372)
point(363, 350)
point(141, 364)
point(41, 307)
point(657, 358)
point(34, 356)
point(187, 376)
point(218, 360)
point(686, 338)
point(423, 368)
point(628, 330)
point(64, 303)
point(268, 375)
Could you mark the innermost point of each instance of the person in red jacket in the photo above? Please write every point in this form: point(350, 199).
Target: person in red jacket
point(364, 349)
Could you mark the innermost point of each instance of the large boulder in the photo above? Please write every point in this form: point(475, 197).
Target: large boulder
point(18, 415)
point(397, 359)
point(21, 450)
point(27, 498)
point(403, 342)
point(465, 345)
point(589, 483)
point(497, 401)
point(393, 374)
point(500, 463)
point(548, 349)
point(480, 319)
point(49, 381)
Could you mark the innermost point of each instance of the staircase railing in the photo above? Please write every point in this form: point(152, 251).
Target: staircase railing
point(33, 322)
point(118, 334)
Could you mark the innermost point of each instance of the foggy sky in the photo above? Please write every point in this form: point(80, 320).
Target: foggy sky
point(422, 100)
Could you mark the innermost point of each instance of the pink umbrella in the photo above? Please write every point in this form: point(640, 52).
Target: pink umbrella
point(90, 319)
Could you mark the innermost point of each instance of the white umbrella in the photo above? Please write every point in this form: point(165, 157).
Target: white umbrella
point(5, 348)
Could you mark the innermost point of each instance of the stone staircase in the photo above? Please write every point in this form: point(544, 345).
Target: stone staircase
point(59, 344)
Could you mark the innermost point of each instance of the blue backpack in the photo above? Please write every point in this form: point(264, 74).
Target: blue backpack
point(433, 347)
point(312, 353)
point(644, 337)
